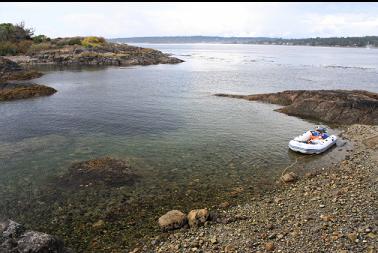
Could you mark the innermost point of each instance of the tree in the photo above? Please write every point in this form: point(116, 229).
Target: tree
point(15, 33)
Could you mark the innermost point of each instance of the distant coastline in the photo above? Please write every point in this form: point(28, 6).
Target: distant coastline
point(360, 42)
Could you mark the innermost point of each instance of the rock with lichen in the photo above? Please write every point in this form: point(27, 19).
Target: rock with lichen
point(15, 238)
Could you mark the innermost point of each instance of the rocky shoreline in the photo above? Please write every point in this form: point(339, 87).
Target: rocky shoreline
point(331, 210)
point(106, 54)
point(332, 106)
point(10, 71)
point(11, 87)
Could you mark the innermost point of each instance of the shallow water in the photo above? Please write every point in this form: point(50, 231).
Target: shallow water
point(190, 147)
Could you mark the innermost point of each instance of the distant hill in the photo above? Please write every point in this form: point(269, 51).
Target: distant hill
point(366, 41)
point(193, 39)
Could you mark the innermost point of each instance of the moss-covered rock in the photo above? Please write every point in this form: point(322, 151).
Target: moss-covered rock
point(105, 171)
point(13, 91)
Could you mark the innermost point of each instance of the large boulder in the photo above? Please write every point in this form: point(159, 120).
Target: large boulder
point(197, 217)
point(15, 238)
point(172, 220)
point(39, 242)
point(10, 229)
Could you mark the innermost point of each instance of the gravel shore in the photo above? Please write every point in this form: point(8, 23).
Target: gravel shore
point(334, 209)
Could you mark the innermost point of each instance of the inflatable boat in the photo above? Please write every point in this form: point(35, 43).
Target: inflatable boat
point(313, 142)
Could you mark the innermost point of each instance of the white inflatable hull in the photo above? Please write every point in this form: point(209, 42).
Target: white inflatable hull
point(319, 147)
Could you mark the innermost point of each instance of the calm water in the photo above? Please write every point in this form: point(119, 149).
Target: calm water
point(166, 122)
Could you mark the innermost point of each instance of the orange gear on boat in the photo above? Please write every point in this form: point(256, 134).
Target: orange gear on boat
point(315, 137)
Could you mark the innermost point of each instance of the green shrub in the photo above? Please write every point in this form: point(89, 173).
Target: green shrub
point(67, 41)
point(8, 48)
point(75, 41)
point(14, 48)
point(40, 39)
point(15, 33)
point(35, 48)
point(23, 46)
point(93, 41)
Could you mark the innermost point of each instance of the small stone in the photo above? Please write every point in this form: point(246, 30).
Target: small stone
point(326, 218)
point(277, 200)
point(270, 226)
point(236, 191)
point(135, 250)
point(214, 240)
point(229, 249)
point(321, 206)
point(269, 246)
point(371, 235)
point(352, 236)
point(224, 204)
point(98, 224)
point(289, 177)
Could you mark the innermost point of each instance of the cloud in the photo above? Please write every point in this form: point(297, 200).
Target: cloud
point(343, 24)
point(293, 20)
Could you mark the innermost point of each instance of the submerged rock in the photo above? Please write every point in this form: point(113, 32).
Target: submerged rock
point(172, 220)
point(335, 106)
point(106, 171)
point(13, 91)
point(15, 238)
point(39, 242)
point(289, 177)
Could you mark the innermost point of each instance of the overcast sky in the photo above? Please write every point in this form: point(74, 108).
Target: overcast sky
point(110, 20)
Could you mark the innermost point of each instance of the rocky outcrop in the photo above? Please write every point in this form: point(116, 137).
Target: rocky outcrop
point(15, 238)
point(10, 70)
point(107, 54)
point(333, 106)
point(172, 220)
point(105, 171)
point(13, 91)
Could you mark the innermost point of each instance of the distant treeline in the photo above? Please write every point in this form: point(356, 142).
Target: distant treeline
point(366, 41)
